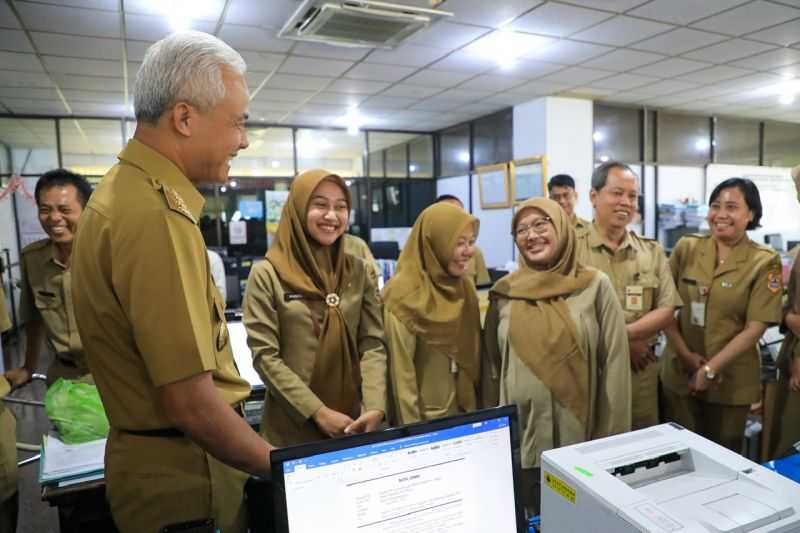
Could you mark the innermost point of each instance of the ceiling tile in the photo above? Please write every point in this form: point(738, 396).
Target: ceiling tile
point(715, 74)
point(35, 107)
point(31, 93)
point(617, 6)
point(86, 108)
point(137, 49)
point(729, 51)
point(683, 11)
point(207, 10)
point(327, 51)
point(748, 18)
point(337, 98)
point(86, 67)
point(558, 20)
point(409, 55)
point(91, 83)
point(357, 86)
point(709, 91)
point(461, 61)
point(624, 81)
point(463, 95)
point(622, 30)
point(576, 76)
point(252, 38)
point(483, 13)
point(537, 88)
point(568, 52)
point(15, 41)
point(627, 97)
point(150, 28)
point(671, 67)
point(10, 78)
point(7, 18)
point(283, 95)
point(492, 82)
point(623, 60)
point(435, 104)
point(662, 87)
point(592, 92)
point(315, 67)
point(388, 102)
point(447, 35)
point(80, 95)
point(108, 5)
point(291, 81)
point(438, 78)
point(94, 23)
point(262, 61)
point(509, 98)
point(18, 61)
point(771, 60)
point(753, 81)
point(322, 109)
point(679, 41)
point(373, 71)
point(411, 91)
point(529, 69)
point(75, 46)
point(482, 108)
point(253, 12)
point(674, 99)
point(784, 34)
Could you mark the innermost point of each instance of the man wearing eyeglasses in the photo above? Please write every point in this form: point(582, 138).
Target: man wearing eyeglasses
point(561, 189)
point(640, 274)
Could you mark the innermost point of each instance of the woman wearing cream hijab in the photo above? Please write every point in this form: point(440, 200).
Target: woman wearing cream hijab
point(555, 337)
point(313, 322)
point(432, 319)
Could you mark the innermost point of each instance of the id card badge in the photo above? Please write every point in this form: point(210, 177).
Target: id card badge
point(698, 317)
point(453, 366)
point(634, 298)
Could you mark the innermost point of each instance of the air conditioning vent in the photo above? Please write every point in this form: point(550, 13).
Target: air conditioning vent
point(357, 23)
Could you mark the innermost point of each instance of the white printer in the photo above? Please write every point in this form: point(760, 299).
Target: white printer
point(662, 479)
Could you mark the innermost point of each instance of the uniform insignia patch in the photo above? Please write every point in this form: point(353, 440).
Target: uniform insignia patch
point(176, 203)
point(774, 282)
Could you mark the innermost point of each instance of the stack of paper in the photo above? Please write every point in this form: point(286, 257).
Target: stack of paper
point(62, 462)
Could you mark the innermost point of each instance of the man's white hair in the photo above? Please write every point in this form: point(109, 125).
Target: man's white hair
point(183, 67)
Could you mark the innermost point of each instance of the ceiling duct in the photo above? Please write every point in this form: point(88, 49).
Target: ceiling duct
point(357, 23)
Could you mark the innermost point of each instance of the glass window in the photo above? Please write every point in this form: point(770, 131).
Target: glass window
point(650, 142)
point(684, 139)
point(376, 164)
point(396, 203)
point(32, 143)
point(420, 161)
point(90, 147)
point(396, 161)
point(333, 150)
point(392, 147)
point(736, 141)
point(493, 138)
point(270, 153)
point(781, 140)
point(617, 133)
point(454, 144)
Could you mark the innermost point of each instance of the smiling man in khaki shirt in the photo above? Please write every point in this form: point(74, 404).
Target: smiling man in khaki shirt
point(150, 316)
point(46, 303)
point(640, 274)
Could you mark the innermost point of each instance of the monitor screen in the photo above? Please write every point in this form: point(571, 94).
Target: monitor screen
point(459, 478)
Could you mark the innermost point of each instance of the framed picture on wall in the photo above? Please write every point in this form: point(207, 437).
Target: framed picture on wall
point(494, 185)
point(528, 178)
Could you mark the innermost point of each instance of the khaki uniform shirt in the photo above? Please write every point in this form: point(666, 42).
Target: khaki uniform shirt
point(5, 319)
point(720, 301)
point(544, 423)
point(46, 296)
point(8, 448)
point(283, 334)
point(423, 383)
point(581, 225)
point(476, 269)
point(356, 247)
point(149, 315)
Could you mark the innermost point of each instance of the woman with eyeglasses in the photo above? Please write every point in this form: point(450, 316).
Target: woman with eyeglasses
point(556, 341)
point(432, 319)
point(731, 288)
point(313, 322)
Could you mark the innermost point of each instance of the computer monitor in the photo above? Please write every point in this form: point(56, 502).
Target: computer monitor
point(455, 474)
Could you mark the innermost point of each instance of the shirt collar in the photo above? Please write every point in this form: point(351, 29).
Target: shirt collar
point(596, 239)
point(164, 171)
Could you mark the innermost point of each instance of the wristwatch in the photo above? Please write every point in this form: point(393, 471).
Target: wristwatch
point(710, 374)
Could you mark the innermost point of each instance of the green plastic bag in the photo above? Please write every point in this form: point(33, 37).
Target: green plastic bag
point(76, 410)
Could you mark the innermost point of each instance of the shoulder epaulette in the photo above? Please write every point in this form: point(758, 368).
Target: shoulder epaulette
point(175, 202)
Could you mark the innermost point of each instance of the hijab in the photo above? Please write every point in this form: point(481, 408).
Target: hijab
point(437, 307)
point(318, 272)
point(550, 349)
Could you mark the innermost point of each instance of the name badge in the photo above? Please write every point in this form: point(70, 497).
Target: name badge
point(634, 298)
point(698, 317)
point(292, 296)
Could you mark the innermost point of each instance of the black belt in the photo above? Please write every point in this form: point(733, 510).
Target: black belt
point(66, 362)
point(171, 433)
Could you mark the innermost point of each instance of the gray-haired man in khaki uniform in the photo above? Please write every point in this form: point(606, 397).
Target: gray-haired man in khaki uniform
point(640, 274)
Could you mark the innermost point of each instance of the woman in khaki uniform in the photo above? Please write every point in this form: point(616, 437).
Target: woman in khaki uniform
point(556, 340)
point(731, 288)
point(8, 442)
point(432, 319)
point(313, 322)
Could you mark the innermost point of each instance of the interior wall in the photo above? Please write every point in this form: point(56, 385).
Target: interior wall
point(457, 186)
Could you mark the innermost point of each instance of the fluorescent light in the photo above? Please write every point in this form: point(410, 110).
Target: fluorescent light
point(598, 136)
point(348, 182)
point(223, 189)
point(463, 157)
point(276, 163)
point(603, 158)
point(179, 23)
point(352, 120)
point(505, 46)
point(701, 145)
point(786, 98)
point(412, 168)
point(233, 184)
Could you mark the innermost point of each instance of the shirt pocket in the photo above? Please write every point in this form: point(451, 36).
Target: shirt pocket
point(649, 286)
point(46, 300)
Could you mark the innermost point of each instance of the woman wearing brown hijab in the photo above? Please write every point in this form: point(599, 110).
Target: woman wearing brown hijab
point(432, 319)
point(313, 322)
point(555, 338)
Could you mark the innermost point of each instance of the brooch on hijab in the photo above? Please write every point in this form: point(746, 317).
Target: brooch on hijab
point(332, 300)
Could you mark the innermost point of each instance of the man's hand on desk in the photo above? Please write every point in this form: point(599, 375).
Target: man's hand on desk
point(368, 421)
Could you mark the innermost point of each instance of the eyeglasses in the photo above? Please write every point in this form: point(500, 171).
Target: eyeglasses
point(539, 228)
